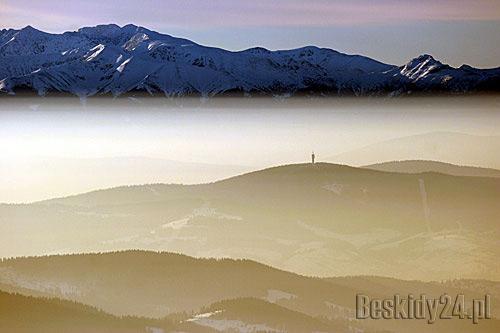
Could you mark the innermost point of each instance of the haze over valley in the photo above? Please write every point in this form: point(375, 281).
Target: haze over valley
point(204, 216)
point(45, 143)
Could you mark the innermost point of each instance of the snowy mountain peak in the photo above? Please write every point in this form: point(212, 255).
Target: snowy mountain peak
point(257, 50)
point(101, 29)
point(30, 32)
point(424, 60)
point(425, 57)
point(109, 59)
point(29, 28)
point(421, 66)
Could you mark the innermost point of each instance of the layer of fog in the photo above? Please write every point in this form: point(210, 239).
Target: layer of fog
point(56, 146)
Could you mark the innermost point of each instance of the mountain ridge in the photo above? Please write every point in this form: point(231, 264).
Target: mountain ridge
point(183, 292)
point(290, 169)
point(308, 212)
point(448, 147)
point(114, 60)
point(421, 166)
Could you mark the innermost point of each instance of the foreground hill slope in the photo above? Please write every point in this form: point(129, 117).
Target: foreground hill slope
point(108, 59)
point(169, 283)
point(24, 314)
point(207, 295)
point(257, 315)
point(323, 220)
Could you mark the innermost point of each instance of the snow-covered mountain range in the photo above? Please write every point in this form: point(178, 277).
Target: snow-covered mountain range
point(108, 59)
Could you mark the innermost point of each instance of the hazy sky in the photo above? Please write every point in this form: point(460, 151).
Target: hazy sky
point(393, 31)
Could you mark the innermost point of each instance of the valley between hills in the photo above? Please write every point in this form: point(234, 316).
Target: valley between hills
point(285, 249)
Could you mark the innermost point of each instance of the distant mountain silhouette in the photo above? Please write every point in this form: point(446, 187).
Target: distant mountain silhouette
point(448, 147)
point(108, 59)
point(419, 166)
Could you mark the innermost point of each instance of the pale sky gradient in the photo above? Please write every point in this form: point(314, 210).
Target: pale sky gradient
point(393, 31)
